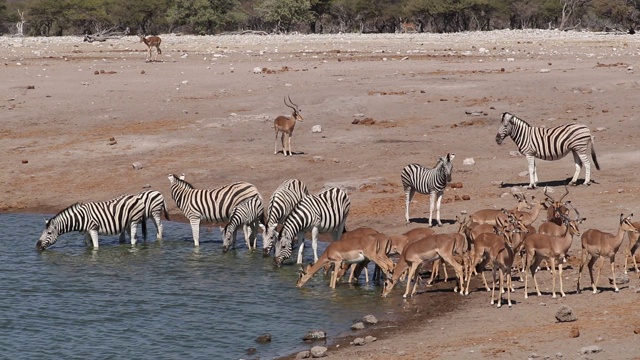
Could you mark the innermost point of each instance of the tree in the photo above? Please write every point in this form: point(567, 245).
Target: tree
point(206, 16)
point(284, 13)
point(569, 8)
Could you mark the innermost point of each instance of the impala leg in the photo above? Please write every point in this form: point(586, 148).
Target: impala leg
point(560, 277)
point(509, 286)
point(534, 270)
point(410, 276)
point(552, 263)
point(583, 261)
point(526, 278)
point(592, 262)
point(275, 148)
point(599, 272)
point(408, 197)
point(289, 140)
point(434, 271)
point(612, 259)
point(493, 287)
point(482, 266)
point(631, 250)
point(416, 279)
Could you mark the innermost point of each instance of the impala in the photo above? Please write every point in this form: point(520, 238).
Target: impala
point(634, 242)
point(285, 125)
point(601, 244)
point(556, 208)
point(488, 216)
point(349, 250)
point(431, 248)
point(550, 248)
point(151, 41)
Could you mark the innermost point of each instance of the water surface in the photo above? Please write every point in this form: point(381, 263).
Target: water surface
point(159, 299)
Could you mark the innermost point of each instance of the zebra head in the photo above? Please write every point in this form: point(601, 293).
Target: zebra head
point(49, 235)
point(283, 250)
point(447, 165)
point(227, 238)
point(505, 127)
point(269, 240)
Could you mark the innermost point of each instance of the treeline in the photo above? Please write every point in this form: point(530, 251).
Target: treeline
point(77, 17)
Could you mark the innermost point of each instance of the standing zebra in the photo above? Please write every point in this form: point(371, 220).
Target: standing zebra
point(283, 200)
point(416, 177)
point(154, 207)
point(213, 205)
point(250, 214)
point(105, 218)
point(324, 212)
point(549, 144)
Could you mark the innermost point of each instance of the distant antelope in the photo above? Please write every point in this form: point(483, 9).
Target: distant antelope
point(408, 26)
point(151, 41)
point(285, 125)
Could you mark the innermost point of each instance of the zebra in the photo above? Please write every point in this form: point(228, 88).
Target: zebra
point(110, 217)
point(549, 144)
point(250, 214)
point(323, 212)
point(416, 177)
point(283, 200)
point(214, 205)
point(155, 206)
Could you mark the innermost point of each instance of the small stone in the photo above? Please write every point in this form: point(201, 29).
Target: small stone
point(318, 158)
point(592, 349)
point(316, 129)
point(318, 351)
point(251, 351)
point(369, 339)
point(574, 332)
point(357, 326)
point(620, 278)
point(534, 356)
point(559, 355)
point(468, 161)
point(257, 70)
point(25, 161)
point(96, 72)
point(315, 335)
point(600, 128)
point(264, 338)
point(545, 70)
point(456, 185)
point(137, 165)
point(370, 319)
point(466, 197)
point(358, 341)
point(402, 353)
point(142, 72)
point(565, 314)
point(303, 355)
point(185, 82)
point(146, 186)
point(636, 331)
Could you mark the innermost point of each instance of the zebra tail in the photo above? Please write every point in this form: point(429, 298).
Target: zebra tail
point(166, 213)
point(593, 155)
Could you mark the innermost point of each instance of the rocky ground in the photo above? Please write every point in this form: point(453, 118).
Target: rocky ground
point(76, 116)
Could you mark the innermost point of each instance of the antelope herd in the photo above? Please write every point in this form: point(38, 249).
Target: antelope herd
point(488, 236)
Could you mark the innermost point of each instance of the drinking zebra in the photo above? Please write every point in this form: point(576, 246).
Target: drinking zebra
point(250, 214)
point(549, 144)
point(111, 217)
point(416, 177)
point(283, 200)
point(323, 212)
point(214, 205)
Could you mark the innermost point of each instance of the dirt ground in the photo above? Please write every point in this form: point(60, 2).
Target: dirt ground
point(76, 116)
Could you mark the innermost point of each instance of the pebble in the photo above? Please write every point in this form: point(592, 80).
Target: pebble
point(357, 326)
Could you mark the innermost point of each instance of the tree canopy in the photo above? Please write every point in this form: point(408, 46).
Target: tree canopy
point(77, 17)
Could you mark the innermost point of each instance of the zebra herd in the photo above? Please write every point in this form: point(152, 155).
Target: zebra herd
point(291, 207)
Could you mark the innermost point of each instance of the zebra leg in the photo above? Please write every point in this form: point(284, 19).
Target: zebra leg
point(94, 237)
point(158, 222)
point(132, 231)
point(533, 175)
point(314, 243)
point(408, 197)
point(300, 250)
point(247, 235)
point(439, 201)
point(195, 230)
point(582, 158)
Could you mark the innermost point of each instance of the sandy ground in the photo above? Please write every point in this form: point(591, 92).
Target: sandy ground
point(204, 110)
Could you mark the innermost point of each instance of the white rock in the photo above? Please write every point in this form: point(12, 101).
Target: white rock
point(468, 161)
point(257, 70)
point(316, 129)
point(545, 70)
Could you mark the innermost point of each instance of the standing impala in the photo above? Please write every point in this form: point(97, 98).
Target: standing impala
point(285, 125)
point(601, 244)
point(151, 41)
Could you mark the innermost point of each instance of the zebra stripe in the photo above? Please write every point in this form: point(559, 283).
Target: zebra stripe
point(323, 212)
point(283, 200)
point(416, 177)
point(549, 144)
point(214, 205)
point(112, 217)
point(250, 214)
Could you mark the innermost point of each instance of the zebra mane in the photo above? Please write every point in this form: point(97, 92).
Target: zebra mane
point(519, 119)
point(71, 207)
point(183, 182)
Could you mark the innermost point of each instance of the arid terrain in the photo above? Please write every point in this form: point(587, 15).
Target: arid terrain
point(77, 115)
